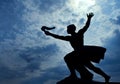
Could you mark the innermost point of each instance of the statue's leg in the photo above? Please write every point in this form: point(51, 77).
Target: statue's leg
point(84, 73)
point(69, 62)
point(98, 71)
point(80, 61)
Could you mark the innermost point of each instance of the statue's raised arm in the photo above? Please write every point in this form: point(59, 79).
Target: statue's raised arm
point(89, 16)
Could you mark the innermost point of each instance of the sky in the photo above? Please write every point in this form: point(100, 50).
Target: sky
point(28, 56)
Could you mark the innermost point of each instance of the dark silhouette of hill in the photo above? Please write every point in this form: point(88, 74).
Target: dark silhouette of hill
point(79, 81)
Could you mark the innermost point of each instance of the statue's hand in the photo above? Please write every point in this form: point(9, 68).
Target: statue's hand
point(90, 15)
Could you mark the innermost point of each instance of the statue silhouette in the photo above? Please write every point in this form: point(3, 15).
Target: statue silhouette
point(82, 55)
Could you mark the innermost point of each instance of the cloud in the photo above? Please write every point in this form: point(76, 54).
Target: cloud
point(116, 4)
point(116, 21)
point(45, 6)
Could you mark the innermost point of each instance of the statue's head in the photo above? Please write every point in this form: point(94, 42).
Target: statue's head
point(71, 29)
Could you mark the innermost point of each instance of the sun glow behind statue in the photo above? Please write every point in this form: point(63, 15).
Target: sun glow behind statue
point(78, 5)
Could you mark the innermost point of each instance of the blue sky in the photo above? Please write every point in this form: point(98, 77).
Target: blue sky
point(27, 56)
